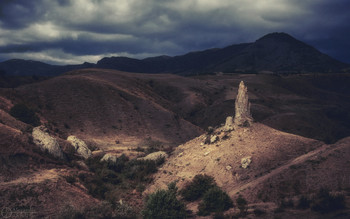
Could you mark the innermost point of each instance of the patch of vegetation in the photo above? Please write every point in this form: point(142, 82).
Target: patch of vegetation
point(151, 145)
point(70, 179)
point(25, 114)
point(242, 205)
point(325, 202)
point(214, 200)
point(124, 173)
point(66, 126)
point(70, 212)
point(303, 203)
point(164, 204)
point(197, 187)
point(259, 212)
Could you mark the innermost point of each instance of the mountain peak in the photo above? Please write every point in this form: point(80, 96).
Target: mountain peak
point(278, 36)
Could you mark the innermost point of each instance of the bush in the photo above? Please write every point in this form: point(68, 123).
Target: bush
point(242, 204)
point(164, 204)
point(325, 202)
point(303, 203)
point(259, 212)
point(139, 169)
point(70, 179)
point(151, 145)
point(24, 114)
point(214, 200)
point(107, 175)
point(120, 163)
point(196, 189)
point(70, 212)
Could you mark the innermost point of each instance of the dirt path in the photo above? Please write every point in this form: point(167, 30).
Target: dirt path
point(280, 169)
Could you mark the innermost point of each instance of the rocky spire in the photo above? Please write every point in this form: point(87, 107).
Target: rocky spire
point(242, 107)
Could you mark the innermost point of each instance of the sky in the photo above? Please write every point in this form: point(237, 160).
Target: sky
point(76, 31)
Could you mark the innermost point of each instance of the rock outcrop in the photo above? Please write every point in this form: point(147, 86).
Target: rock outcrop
point(109, 158)
point(213, 139)
point(242, 107)
point(155, 156)
point(80, 146)
point(47, 143)
point(229, 125)
point(245, 162)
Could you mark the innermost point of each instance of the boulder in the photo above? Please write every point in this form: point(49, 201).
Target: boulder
point(213, 139)
point(242, 107)
point(229, 124)
point(155, 156)
point(82, 165)
point(245, 162)
point(109, 158)
point(80, 146)
point(47, 143)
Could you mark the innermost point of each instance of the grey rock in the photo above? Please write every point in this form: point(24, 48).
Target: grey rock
point(246, 161)
point(213, 139)
point(80, 146)
point(229, 125)
point(109, 158)
point(155, 156)
point(47, 143)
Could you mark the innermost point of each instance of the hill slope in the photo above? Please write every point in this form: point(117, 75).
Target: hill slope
point(283, 166)
point(107, 106)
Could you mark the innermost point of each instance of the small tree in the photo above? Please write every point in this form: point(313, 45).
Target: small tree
point(164, 204)
point(24, 114)
point(196, 189)
point(214, 200)
point(242, 205)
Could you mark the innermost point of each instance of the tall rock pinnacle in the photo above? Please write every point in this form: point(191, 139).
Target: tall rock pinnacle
point(242, 107)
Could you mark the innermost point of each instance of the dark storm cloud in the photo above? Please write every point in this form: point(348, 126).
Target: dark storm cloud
point(73, 31)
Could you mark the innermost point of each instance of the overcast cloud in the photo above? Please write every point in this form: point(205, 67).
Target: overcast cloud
point(75, 31)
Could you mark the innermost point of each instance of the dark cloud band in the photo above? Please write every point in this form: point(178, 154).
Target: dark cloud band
point(97, 28)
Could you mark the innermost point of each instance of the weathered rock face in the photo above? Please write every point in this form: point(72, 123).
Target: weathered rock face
point(80, 146)
point(229, 125)
point(245, 162)
point(109, 158)
point(47, 143)
point(242, 107)
point(155, 156)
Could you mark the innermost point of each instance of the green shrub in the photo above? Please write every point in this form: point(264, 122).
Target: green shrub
point(139, 169)
point(214, 200)
point(196, 189)
point(326, 202)
point(164, 204)
point(259, 212)
point(24, 114)
point(151, 145)
point(109, 176)
point(70, 179)
point(303, 203)
point(70, 212)
point(242, 204)
point(120, 163)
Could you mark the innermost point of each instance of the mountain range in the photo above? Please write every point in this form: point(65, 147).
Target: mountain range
point(272, 53)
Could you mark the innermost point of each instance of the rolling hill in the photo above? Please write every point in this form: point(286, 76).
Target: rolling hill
point(272, 53)
point(125, 113)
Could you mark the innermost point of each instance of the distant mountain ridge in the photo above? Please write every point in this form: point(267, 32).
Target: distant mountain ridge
point(274, 52)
